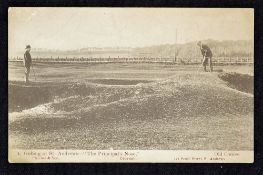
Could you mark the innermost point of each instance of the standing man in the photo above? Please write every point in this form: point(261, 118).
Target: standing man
point(207, 55)
point(27, 63)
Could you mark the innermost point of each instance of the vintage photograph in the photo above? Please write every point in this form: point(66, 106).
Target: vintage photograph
point(130, 84)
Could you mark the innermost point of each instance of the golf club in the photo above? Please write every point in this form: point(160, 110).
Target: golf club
point(34, 73)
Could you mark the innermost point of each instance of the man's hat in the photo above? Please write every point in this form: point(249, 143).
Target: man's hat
point(28, 46)
point(199, 43)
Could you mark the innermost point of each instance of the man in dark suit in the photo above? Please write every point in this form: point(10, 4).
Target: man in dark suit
point(27, 63)
point(207, 55)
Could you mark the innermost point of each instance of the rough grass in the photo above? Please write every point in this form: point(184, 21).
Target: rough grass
point(188, 110)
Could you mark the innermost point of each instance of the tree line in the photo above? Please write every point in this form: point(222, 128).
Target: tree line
point(242, 48)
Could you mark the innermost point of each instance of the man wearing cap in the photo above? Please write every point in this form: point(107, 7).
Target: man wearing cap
point(27, 63)
point(207, 55)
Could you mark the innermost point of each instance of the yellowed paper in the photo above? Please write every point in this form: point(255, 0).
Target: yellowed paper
point(168, 85)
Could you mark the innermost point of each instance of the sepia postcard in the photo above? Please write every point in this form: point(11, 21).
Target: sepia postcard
point(167, 85)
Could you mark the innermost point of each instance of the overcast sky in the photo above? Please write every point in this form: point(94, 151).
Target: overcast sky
point(73, 28)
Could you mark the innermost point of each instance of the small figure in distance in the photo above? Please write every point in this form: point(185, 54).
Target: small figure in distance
point(27, 63)
point(207, 55)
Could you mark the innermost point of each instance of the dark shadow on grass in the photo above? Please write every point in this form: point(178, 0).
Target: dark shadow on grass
point(21, 96)
point(241, 82)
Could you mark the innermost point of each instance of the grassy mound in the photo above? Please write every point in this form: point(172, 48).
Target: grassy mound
point(186, 111)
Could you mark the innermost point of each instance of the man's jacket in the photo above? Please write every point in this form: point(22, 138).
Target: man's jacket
point(27, 59)
point(206, 51)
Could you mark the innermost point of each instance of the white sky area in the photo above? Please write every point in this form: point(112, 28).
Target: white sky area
point(74, 28)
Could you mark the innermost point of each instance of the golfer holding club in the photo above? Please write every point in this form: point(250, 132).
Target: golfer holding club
point(207, 55)
point(27, 63)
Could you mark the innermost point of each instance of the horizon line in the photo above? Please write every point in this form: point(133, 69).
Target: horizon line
point(134, 47)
